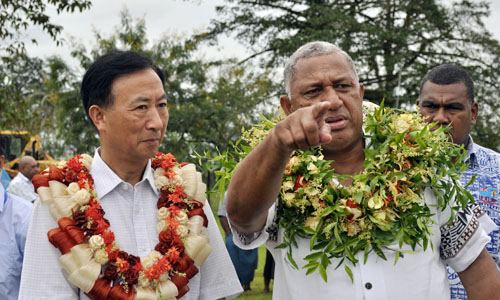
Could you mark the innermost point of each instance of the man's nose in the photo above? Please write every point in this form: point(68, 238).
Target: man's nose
point(154, 120)
point(331, 96)
point(441, 117)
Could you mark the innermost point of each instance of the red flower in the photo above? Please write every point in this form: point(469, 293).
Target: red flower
point(299, 182)
point(111, 272)
point(162, 247)
point(102, 225)
point(131, 277)
point(71, 176)
point(173, 254)
point(168, 236)
point(174, 198)
point(108, 237)
point(94, 211)
point(121, 264)
point(112, 253)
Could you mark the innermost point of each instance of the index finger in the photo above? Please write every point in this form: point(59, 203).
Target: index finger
point(319, 109)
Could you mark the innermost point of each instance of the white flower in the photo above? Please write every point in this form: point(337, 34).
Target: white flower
point(161, 181)
point(312, 222)
point(288, 185)
point(81, 197)
point(73, 188)
point(375, 204)
point(158, 172)
point(163, 213)
point(101, 257)
point(379, 214)
point(86, 161)
point(155, 255)
point(182, 218)
point(312, 168)
point(96, 242)
point(147, 262)
point(162, 225)
point(289, 196)
point(182, 231)
point(294, 162)
point(164, 277)
point(143, 280)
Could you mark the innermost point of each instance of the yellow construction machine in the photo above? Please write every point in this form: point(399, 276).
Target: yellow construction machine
point(20, 143)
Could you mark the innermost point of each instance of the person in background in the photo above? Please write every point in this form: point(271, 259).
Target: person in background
point(15, 215)
point(244, 261)
point(447, 97)
point(268, 271)
point(21, 184)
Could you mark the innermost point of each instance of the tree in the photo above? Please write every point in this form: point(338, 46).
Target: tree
point(25, 99)
point(393, 43)
point(16, 15)
point(209, 101)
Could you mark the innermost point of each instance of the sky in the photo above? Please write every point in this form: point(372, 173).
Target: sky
point(162, 17)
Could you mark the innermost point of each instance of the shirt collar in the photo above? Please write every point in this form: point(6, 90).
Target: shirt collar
point(23, 178)
point(471, 156)
point(105, 180)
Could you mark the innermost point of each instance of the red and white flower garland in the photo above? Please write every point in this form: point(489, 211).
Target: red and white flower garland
point(93, 258)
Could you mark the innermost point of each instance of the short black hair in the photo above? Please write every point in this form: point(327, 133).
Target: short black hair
point(98, 79)
point(449, 74)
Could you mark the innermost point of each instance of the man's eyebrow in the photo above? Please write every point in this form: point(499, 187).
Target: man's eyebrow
point(146, 99)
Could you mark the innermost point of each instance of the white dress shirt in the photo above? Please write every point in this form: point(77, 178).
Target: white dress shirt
point(131, 211)
point(22, 187)
point(420, 275)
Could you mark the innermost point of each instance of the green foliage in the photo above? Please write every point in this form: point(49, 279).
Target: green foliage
point(26, 94)
point(17, 15)
point(383, 210)
point(393, 43)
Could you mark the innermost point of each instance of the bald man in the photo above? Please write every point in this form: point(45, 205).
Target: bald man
point(21, 184)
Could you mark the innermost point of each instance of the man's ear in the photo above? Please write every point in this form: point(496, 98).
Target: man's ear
point(474, 112)
point(286, 104)
point(97, 114)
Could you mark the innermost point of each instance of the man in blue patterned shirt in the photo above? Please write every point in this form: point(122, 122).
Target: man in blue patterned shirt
point(447, 97)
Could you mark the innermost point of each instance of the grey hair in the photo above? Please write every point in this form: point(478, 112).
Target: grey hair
point(312, 49)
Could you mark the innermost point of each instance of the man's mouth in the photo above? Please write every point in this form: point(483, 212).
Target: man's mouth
point(336, 122)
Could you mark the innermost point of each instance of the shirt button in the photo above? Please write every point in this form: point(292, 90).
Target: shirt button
point(125, 187)
point(368, 286)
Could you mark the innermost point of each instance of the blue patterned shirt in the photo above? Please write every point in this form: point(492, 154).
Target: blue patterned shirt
point(485, 165)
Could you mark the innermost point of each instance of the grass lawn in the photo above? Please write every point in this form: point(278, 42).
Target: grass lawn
point(257, 285)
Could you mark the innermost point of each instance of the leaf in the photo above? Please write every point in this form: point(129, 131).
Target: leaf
point(291, 260)
point(349, 272)
point(313, 256)
point(322, 272)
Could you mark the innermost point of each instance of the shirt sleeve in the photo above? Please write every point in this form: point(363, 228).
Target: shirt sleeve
point(221, 212)
point(253, 240)
point(465, 237)
point(218, 276)
point(42, 277)
point(24, 212)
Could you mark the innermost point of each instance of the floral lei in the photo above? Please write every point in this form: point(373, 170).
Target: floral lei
point(383, 207)
point(91, 255)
